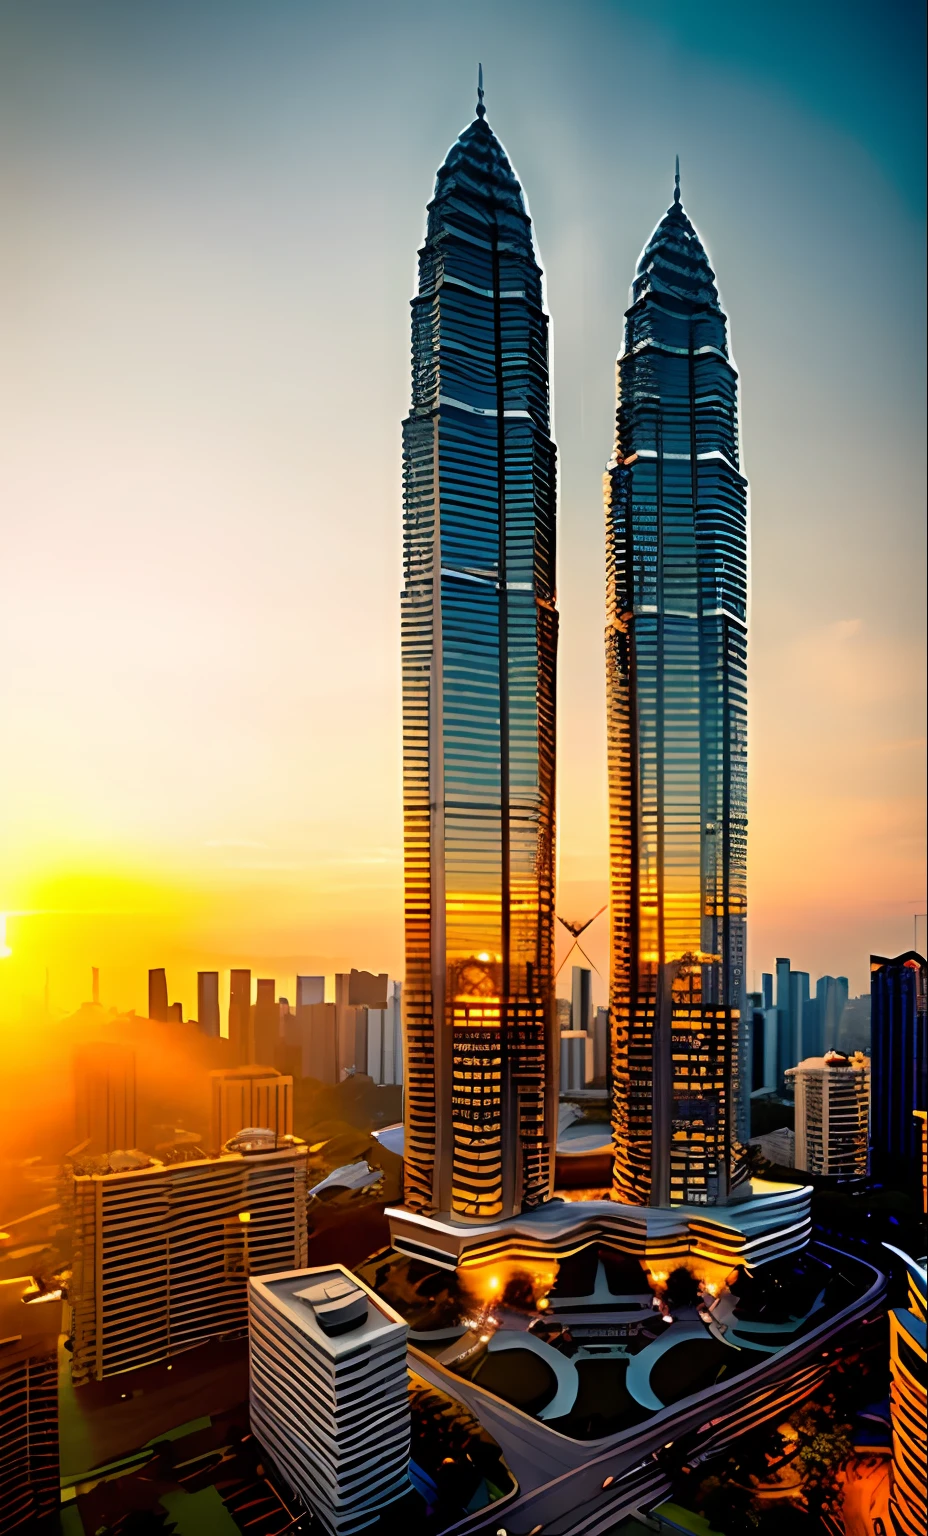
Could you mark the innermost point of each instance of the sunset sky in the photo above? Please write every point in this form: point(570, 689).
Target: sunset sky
point(212, 210)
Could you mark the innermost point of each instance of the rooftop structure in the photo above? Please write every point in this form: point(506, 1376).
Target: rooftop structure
point(162, 1253)
point(676, 673)
point(329, 1392)
point(479, 627)
point(832, 1114)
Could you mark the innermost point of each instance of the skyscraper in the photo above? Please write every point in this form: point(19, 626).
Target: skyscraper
point(241, 1025)
point(479, 642)
point(676, 649)
point(208, 1003)
point(899, 1057)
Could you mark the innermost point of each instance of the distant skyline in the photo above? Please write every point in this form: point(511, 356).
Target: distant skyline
point(210, 214)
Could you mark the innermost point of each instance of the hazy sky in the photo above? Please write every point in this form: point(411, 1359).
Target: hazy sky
point(211, 216)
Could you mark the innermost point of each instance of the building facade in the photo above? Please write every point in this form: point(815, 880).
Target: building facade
point(479, 629)
point(676, 657)
point(908, 1402)
point(30, 1323)
point(329, 1397)
point(832, 1114)
point(162, 1253)
point(899, 1063)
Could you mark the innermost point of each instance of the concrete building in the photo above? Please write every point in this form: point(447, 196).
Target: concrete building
point(105, 1100)
point(30, 1323)
point(208, 1003)
point(832, 1114)
point(162, 1253)
point(329, 1392)
point(249, 1096)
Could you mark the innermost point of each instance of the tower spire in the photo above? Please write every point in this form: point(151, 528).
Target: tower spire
point(481, 109)
point(676, 182)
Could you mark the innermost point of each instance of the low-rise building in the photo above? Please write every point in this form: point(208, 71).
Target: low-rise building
point(162, 1253)
point(329, 1393)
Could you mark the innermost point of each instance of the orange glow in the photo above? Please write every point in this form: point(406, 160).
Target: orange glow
point(487, 1284)
point(713, 1278)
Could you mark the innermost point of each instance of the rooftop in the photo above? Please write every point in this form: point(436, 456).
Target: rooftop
point(287, 1292)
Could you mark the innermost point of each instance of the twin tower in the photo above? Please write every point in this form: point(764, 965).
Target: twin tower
point(479, 647)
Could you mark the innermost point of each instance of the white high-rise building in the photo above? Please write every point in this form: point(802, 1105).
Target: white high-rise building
point(832, 1114)
point(329, 1393)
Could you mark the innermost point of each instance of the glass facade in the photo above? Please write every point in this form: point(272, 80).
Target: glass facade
point(676, 655)
point(479, 632)
point(899, 1063)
